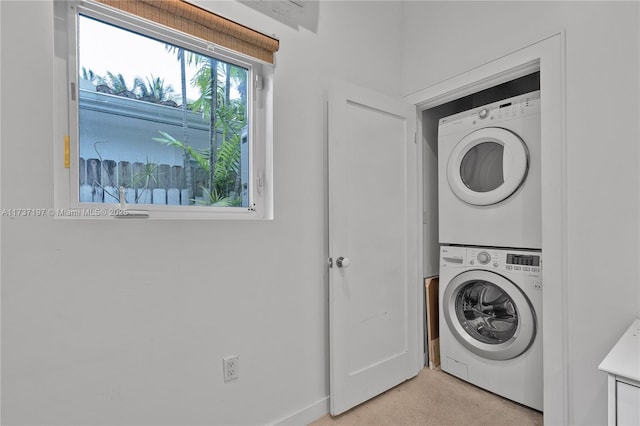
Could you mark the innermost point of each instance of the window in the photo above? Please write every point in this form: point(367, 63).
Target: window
point(161, 121)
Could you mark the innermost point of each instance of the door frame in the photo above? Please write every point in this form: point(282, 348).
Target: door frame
point(547, 55)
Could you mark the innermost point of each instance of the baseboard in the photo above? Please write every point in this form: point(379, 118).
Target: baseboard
point(305, 415)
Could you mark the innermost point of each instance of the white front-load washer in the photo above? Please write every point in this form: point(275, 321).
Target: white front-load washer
point(490, 320)
point(489, 187)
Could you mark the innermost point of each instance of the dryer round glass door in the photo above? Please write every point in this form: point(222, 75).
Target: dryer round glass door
point(489, 315)
point(487, 166)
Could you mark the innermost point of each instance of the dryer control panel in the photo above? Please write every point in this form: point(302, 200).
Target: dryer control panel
point(491, 114)
point(500, 260)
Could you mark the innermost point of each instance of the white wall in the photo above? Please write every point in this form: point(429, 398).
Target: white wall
point(602, 65)
point(102, 325)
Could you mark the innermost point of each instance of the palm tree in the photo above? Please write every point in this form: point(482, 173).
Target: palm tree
point(118, 84)
point(207, 104)
point(185, 125)
point(89, 74)
point(213, 133)
point(228, 116)
point(225, 114)
point(154, 89)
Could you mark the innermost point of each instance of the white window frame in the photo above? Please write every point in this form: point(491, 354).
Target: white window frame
point(259, 110)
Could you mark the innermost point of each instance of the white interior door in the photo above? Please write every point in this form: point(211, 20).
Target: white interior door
point(374, 290)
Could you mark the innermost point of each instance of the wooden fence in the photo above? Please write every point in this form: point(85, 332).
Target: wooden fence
point(144, 183)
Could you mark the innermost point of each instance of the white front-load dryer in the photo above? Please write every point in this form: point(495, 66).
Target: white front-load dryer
point(489, 187)
point(490, 320)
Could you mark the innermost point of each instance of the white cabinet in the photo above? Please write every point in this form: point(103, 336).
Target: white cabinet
point(627, 404)
point(623, 366)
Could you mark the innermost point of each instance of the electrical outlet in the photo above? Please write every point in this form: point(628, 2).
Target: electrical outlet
point(230, 368)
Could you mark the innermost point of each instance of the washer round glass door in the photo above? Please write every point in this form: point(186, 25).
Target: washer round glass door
point(489, 315)
point(487, 166)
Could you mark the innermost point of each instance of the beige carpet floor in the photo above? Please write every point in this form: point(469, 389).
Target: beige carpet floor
point(435, 398)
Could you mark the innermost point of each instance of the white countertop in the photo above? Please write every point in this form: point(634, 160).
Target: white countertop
point(624, 358)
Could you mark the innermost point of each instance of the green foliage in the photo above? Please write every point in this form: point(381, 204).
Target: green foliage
point(230, 119)
point(151, 89)
point(146, 176)
point(142, 179)
point(227, 119)
point(117, 83)
point(88, 74)
point(154, 89)
point(228, 163)
point(227, 166)
point(202, 158)
point(237, 78)
point(213, 198)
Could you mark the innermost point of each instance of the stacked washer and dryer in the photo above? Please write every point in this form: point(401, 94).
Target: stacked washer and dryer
point(489, 194)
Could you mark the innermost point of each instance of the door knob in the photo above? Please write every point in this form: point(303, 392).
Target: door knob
point(343, 262)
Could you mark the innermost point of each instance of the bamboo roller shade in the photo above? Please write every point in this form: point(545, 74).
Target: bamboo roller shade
point(191, 19)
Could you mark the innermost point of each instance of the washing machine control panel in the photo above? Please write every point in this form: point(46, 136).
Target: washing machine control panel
point(523, 259)
point(505, 260)
point(523, 262)
point(483, 257)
